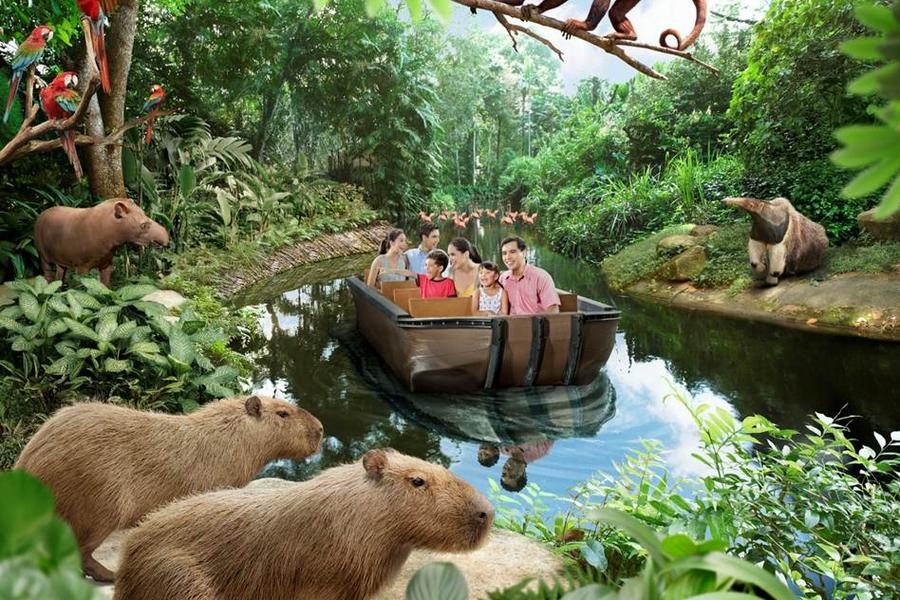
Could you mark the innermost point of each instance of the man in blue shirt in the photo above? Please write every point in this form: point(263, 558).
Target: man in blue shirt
point(429, 236)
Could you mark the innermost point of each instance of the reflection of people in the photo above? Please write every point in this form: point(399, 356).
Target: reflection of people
point(530, 289)
point(513, 477)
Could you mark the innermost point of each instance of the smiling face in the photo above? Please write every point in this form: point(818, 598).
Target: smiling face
point(513, 257)
point(430, 241)
point(487, 277)
point(432, 268)
point(399, 243)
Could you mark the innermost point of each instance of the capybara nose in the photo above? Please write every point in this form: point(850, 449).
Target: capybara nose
point(484, 512)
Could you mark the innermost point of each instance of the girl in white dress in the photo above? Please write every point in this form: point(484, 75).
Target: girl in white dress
point(490, 299)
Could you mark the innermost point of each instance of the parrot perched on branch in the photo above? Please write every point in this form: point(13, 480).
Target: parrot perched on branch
point(98, 11)
point(154, 100)
point(29, 53)
point(60, 100)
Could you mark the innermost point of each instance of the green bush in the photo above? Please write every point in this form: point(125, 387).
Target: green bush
point(107, 343)
point(881, 257)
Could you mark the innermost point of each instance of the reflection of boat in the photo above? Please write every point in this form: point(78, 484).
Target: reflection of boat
point(434, 345)
point(505, 416)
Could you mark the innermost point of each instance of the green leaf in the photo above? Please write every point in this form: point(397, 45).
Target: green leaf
point(443, 8)
point(26, 505)
point(106, 326)
point(11, 325)
point(81, 330)
point(123, 331)
point(320, 4)
point(879, 18)
point(871, 82)
point(863, 48)
point(56, 327)
point(145, 347)
point(728, 566)
point(873, 178)
point(30, 306)
point(86, 300)
point(890, 203)
point(437, 581)
point(595, 591)
point(877, 137)
point(181, 347)
point(94, 287)
point(373, 7)
point(187, 180)
point(188, 405)
point(52, 288)
point(415, 9)
point(592, 552)
point(640, 532)
point(112, 365)
point(679, 545)
point(129, 293)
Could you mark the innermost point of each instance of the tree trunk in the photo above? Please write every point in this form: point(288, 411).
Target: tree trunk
point(104, 163)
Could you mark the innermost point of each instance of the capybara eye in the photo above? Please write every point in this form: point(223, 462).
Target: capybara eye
point(282, 413)
point(417, 481)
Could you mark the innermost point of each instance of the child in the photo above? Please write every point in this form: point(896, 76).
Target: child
point(490, 299)
point(433, 284)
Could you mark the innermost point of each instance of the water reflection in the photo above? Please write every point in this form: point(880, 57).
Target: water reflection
point(559, 436)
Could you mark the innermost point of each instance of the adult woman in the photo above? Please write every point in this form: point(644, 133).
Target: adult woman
point(390, 264)
point(464, 261)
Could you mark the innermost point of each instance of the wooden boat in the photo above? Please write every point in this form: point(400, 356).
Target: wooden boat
point(437, 346)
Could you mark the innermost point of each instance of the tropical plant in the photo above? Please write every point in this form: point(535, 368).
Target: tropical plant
point(875, 146)
point(39, 556)
point(113, 343)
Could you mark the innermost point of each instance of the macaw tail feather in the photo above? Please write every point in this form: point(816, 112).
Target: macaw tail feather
point(100, 51)
point(150, 123)
point(13, 88)
point(67, 138)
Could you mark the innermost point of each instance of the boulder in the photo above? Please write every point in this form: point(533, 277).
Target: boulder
point(675, 244)
point(168, 298)
point(685, 266)
point(887, 230)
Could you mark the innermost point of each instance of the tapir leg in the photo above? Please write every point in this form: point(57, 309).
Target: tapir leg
point(47, 270)
point(61, 273)
point(106, 275)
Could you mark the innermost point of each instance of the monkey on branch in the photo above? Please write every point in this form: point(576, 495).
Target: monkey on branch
point(618, 16)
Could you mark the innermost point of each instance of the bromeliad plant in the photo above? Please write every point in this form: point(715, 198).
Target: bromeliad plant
point(110, 343)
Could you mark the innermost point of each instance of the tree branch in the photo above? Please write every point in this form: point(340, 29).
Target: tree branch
point(725, 17)
point(511, 29)
point(609, 45)
point(37, 147)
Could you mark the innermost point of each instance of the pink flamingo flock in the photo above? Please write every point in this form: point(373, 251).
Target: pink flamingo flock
point(461, 220)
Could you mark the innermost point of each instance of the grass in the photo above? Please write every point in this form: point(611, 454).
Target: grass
point(639, 260)
point(882, 257)
point(727, 263)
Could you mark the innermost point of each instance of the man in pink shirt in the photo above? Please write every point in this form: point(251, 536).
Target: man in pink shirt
point(530, 289)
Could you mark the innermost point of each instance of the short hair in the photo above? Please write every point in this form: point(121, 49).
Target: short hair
point(514, 238)
point(440, 257)
point(425, 230)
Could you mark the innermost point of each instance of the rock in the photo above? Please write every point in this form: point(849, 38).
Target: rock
point(674, 244)
point(685, 266)
point(168, 298)
point(887, 230)
point(505, 560)
point(703, 230)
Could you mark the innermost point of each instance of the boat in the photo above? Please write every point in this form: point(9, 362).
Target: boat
point(436, 345)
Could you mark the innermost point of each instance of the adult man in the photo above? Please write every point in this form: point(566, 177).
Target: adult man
point(429, 236)
point(530, 289)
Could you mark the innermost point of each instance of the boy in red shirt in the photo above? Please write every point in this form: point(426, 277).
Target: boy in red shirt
point(433, 284)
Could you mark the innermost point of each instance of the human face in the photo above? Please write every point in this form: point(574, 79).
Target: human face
point(399, 244)
point(430, 241)
point(487, 277)
point(432, 268)
point(513, 258)
point(456, 257)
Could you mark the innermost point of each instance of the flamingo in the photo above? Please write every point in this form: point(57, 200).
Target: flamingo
point(506, 220)
point(491, 213)
point(527, 219)
point(443, 216)
point(425, 217)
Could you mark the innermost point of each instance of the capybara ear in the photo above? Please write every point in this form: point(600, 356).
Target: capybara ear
point(374, 462)
point(120, 209)
point(253, 406)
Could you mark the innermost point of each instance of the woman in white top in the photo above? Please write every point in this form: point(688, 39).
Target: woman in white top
point(391, 263)
point(490, 299)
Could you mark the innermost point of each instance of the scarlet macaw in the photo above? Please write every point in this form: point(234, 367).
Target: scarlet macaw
point(60, 100)
point(98, 11)
point(154, 100)
point(27, 54)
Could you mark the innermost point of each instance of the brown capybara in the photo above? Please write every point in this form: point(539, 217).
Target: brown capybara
point(340, 536)
point(86, 238)
point(109, 465)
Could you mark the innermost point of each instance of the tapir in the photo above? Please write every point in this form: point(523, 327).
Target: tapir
point(86, 238)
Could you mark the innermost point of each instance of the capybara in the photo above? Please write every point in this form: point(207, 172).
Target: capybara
point(86, 238)
point(340, 536)
point(109, 465)
point(782, 241)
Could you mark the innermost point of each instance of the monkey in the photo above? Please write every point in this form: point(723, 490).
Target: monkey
point(623, 28)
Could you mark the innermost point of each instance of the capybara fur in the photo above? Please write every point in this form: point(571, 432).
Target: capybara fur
point(340, 536)
point(782, 241)
point(86, 238)
point(109, 465)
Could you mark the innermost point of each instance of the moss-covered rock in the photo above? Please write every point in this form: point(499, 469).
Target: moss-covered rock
point(685, 266)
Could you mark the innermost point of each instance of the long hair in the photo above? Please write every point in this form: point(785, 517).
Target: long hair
point(392, 235)
point(464, 245)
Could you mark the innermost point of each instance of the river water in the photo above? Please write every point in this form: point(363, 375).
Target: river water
point(314, 356)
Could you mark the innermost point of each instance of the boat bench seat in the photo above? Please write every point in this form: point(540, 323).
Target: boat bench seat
point(568, 302)
point(402, 296)
point(440, 307)
point(388, 287)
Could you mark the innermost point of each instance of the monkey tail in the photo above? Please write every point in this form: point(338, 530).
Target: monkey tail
point(700, 5)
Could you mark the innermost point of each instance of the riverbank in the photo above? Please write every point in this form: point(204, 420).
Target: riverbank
point(856, 292)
